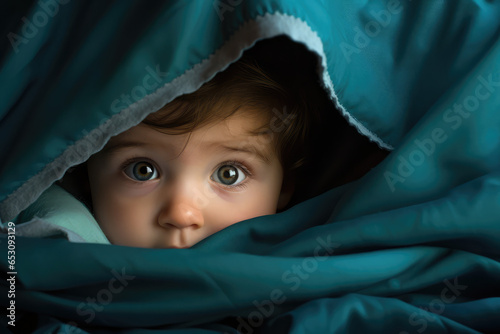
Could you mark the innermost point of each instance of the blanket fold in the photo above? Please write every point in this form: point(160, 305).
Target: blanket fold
point(412, 246)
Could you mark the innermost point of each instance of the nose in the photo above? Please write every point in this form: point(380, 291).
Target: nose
point(181, 212)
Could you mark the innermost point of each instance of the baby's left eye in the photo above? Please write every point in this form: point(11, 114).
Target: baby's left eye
point(141, 171)
point(228, 175)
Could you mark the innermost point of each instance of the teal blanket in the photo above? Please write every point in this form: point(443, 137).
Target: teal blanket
point(411, 247)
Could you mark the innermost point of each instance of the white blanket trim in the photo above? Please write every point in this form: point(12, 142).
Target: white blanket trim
point(263, 27)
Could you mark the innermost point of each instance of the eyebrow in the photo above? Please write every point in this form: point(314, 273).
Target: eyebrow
point(249, 150)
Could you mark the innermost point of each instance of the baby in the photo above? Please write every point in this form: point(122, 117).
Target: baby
point(205, 161)
point(230, 151)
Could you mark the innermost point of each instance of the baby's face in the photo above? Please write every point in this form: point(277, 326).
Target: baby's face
point(156, 190)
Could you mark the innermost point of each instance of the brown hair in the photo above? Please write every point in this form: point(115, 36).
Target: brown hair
point(289, 98)
point(274, 74)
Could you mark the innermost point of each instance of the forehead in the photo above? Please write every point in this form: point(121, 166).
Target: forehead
point(245, 131)
point(243, 122)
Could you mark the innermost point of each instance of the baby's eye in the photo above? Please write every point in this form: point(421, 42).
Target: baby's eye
point(228, 175)
point(141, 171)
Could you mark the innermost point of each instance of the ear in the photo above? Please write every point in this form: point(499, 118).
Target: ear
point(287, 189)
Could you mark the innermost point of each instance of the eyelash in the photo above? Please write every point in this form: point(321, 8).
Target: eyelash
point(245, 168)
point(130, 161)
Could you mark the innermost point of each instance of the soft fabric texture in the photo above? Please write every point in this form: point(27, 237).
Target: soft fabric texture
point(56, 213)
point(411, 247)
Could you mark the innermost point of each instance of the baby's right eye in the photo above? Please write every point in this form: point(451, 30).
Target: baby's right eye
point(141, 171)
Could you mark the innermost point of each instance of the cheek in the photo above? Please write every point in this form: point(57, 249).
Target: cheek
point(123, 221)
point(253, 202)
point(119, 215)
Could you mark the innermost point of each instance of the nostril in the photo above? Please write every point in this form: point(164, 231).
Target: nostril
point(179, 226)
point(167, 225)
point(181, 215)
point(187, 221)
